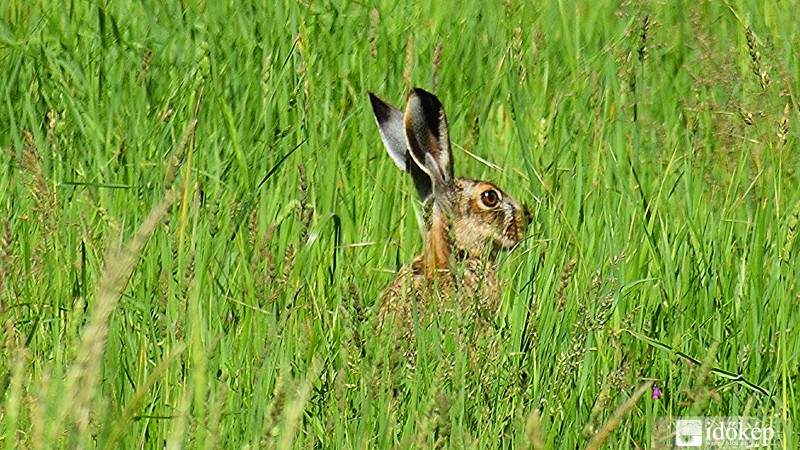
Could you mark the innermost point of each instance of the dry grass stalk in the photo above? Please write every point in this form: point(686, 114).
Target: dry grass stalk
point(520, 55)
point(534, 430)
point(791, 232)
point(604, 433)
point(437, 62)
point(83, 376)
point(293, 412)
point(145, 69)
point(6, 257)
point(372, 35)
point(409, 61)
point(41, 191)
point(755, 59)
point(305, 212)
point(783, 125)
point(561, 290)
point(644, 30)
point(597, 410)
point(180, 153)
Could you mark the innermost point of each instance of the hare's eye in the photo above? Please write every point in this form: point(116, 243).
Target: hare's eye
point(490, 198)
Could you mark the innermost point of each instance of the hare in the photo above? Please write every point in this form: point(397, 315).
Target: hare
point(467, 221)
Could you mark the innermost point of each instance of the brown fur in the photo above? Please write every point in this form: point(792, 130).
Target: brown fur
point(468, 221)
point(463, 270)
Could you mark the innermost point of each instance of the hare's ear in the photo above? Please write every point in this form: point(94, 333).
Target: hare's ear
point(427, 135)
point(390, 125)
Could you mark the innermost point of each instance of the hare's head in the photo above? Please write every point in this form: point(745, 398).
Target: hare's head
point(467, 218)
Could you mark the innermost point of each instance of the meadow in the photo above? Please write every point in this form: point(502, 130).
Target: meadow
point(198, 217)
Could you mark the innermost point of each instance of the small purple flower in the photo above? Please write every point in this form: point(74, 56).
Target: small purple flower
point(656, 392)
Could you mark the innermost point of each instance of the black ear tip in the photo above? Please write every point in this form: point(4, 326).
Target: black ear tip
point(424, 95)
point(379, 107)
point(373, 99)
point(427, 101)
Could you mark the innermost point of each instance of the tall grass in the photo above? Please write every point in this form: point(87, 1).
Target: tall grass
point(198, 218)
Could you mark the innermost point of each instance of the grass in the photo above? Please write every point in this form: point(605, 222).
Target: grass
point(199, 217)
